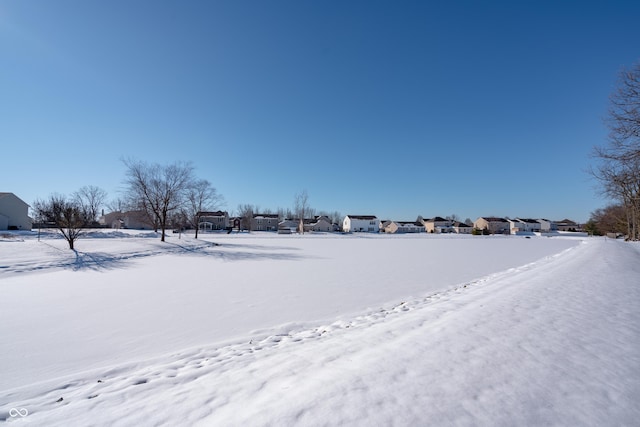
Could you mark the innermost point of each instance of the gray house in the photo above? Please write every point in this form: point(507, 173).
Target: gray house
point(14, 213)
point(264, 222)
point(218, 220)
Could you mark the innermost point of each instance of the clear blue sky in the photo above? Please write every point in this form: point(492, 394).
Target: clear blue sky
point(396, 109)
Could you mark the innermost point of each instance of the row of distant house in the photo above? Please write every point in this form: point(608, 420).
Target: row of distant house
point(14, 215)
point(490, 225)
point(220, 220)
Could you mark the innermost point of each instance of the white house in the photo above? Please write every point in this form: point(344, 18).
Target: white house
point(516, 226)
point(547, 226)
point(523, 226)
point(360, 223)
point(531, 225)
point(14, 213)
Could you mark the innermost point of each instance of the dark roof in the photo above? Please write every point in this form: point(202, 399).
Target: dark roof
point(270, 216)
point(461, 224)
point(436, 219)
point(566, 222)
point(493, 219)
point(363, 217)
point(216, 213)
point(529, 220)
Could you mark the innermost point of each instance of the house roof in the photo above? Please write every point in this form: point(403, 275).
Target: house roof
point(436, 219)
point(493, 219)
point(529, 220)
point(216, 213)
point(461, 224)
point(566, 222)
point(363, 217)
point(267, 216)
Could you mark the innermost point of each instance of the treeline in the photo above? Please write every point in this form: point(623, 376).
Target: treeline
point(166, 194)
point(618, 167)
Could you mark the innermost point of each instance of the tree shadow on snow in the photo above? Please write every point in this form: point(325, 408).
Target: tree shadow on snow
point(240, 252)
point(100, 261)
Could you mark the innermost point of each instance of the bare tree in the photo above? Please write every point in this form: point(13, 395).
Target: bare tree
point(453, 218)
point(301, 208)
point(158, 189)
point(201, 197)
point(90, 198)
point(618, 170)
point(118, 205)
point(66, 215)
point(610, 219)
point(285, 213)
point(245, 213)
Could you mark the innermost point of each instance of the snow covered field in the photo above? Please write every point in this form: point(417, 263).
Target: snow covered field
point(261, 329)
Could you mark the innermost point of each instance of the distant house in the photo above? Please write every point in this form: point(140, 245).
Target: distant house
point(137, 220)
point(318, 224)
point(401, 227)
point(112, 220)
point(516, 226)
point(264, 222)
point(382, 226)
point(462, 228)
point(288, 226)
point(531, 225)
point(524, 226)
point(568, 225)
point(360, 223)
point(547, 226)
point(14, 213)
point(209, 221)
point(493, 225)
point(438, 225)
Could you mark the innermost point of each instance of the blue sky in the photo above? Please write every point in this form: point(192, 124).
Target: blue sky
point(396, 109)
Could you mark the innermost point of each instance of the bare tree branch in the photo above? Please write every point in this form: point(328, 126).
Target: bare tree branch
point(618, 168)
point(159, 189)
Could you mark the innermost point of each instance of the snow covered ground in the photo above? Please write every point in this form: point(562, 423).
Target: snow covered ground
point(260, 329)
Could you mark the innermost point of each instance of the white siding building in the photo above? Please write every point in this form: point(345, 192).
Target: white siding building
point(547, 226)
point(14, 213)
point(360, 223)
